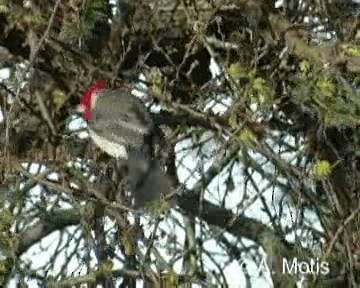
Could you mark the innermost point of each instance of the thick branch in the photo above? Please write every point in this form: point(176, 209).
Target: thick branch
point(56, 220)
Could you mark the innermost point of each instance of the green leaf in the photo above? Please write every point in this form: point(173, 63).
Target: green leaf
point(246, 137)
point(322, 169)
point(106, 266)
point(305, 67)
point(236, 71)
point(326, 87)
point(263, 90)
point(3, 8)
point(59, 98)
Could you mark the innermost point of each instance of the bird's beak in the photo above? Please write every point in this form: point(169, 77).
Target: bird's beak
point(79, 109)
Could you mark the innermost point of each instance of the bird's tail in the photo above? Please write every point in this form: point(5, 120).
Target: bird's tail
point(147, 181)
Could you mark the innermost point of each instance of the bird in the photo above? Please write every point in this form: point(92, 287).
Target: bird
point(121, 126)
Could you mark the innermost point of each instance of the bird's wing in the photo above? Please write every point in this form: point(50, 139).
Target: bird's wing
point(122, 109)
point(122, 118)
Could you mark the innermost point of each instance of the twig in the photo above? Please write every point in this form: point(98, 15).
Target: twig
point(46, 33)
point(21, 75)
point(340, 230)
point(42, 106)
point(45, 113)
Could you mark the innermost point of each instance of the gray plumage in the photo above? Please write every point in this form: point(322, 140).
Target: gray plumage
point(122, 127)
point(121, 118)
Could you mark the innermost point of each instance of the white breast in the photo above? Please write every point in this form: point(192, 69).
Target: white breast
point(113, 149)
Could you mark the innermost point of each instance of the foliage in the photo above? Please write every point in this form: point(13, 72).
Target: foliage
point(323, 91)
point(322, 169)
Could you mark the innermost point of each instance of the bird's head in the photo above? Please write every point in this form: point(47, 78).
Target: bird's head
point(88, 98)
